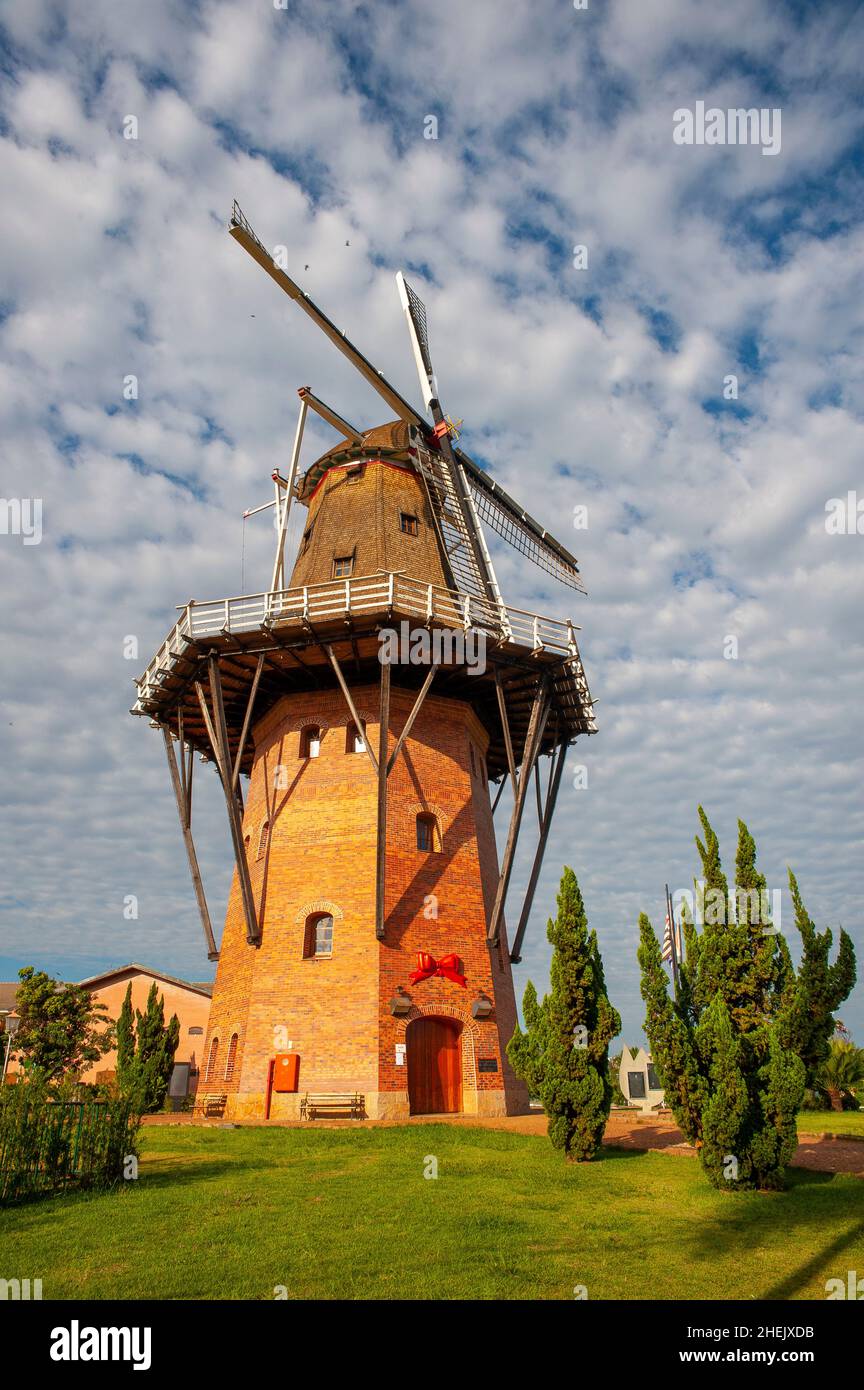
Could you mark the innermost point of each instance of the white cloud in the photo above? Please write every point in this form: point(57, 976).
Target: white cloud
point(554, 128)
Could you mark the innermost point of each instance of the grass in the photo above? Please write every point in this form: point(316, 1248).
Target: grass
point(848, 1123)
point(339, 1213)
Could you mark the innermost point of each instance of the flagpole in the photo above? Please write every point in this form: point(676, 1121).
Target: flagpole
point(671, 920)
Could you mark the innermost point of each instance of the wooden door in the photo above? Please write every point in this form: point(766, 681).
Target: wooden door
point(434, 1066)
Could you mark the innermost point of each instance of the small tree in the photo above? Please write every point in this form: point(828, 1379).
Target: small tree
point(62, 1030)
point(841, 1072)
point(734, 1047)
point(563, 1055)
point(145, 1051)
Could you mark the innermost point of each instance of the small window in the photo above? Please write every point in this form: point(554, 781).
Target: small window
point(355, 739)
point(500, 953)
point(232, 1053)
point(310, 741)
point(212, 1059)
point(355, 474)
point(319, 936)
point(196, 1032)
point(428, 834)
point(263, 839)
point(343, 566)
point(473, 760)
point(409, 524)
point(307, 537)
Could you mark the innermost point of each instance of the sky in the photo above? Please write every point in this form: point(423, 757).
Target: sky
point(666, 335)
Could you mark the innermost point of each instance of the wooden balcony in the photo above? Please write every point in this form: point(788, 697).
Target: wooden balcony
point(291, 627)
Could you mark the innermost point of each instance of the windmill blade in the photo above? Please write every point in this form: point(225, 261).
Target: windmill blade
point(415, 313)
point(505, 516)
point(492, 504)
point(242, 232)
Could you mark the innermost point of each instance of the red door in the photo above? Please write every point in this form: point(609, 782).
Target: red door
point(434, 1066)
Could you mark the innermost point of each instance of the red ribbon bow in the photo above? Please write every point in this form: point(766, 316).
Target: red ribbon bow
point(447, 966)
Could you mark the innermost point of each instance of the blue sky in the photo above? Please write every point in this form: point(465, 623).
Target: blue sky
point(601, 387)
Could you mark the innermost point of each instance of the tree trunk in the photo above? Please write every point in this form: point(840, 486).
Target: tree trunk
point(836, 1099)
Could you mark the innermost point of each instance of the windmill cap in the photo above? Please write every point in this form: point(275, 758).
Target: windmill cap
point(388, 441)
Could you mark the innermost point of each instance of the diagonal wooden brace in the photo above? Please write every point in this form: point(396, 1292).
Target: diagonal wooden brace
point(381, 841)
point(548, 811)
point(182, 794)
point(533, 738)
point(218, 734)
point(358, 723)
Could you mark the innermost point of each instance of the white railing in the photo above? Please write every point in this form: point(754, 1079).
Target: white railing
point(393, 594)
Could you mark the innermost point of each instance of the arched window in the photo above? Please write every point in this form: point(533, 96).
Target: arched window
point(310, 741)
point(428, 833)
point(232, 1053)
point(355, 739)
point(212, 1059)
point(319, 935)
point(263, 839)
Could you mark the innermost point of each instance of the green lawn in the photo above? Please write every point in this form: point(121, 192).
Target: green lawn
point(343, 1213)
point(845, 1122)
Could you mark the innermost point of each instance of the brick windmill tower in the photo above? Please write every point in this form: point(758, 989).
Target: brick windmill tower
point(371, 700)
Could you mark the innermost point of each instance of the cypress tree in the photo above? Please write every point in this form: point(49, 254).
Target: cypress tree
point(125, 1042)
point(148, 1050)
point(563, 1055)
point(735, 1046)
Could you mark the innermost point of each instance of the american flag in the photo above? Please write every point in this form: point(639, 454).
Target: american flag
point(668, 940)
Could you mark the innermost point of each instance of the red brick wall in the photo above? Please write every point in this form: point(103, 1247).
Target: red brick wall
point(335, 1012)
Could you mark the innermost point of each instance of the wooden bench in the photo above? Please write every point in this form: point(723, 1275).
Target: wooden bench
point(312, 1105)
point(211, 1103)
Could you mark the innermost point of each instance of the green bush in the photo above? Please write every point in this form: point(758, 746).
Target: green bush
point(50, 1141)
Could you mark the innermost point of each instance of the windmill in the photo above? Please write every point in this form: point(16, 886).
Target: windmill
point(394, 537)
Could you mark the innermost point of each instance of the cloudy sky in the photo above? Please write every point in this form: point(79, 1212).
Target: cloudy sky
point(605, 387)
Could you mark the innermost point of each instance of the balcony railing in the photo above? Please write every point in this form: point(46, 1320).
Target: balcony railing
point(320, 604)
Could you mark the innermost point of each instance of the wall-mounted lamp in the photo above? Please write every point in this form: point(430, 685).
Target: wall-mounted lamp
point(482, 1006)
point(401, 1003)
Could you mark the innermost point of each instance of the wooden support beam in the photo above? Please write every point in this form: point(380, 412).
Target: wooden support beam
point(182, 797)
point(358, 723)
point(505, 724)
point(498, 795)
point(548, 811)
point(409, 723)
point(218, 734)
point(247, 719)
point(381, 843)
point(537, 723)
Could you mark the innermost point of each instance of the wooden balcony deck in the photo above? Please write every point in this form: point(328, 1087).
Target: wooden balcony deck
point(290, 627)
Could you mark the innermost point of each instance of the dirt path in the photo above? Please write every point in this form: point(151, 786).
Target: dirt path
point(815, 1151)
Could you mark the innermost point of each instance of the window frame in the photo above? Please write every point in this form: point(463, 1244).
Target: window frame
point(309, 734)
point(428, 822)
point(263, 840)
point(343, 560)
point(310, 936)
point(413, 527)
point(353, 735)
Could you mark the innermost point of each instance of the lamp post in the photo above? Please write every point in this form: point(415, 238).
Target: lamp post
point(10, 1028)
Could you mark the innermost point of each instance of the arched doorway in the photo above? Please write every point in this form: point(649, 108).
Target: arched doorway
point(434, 1066)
